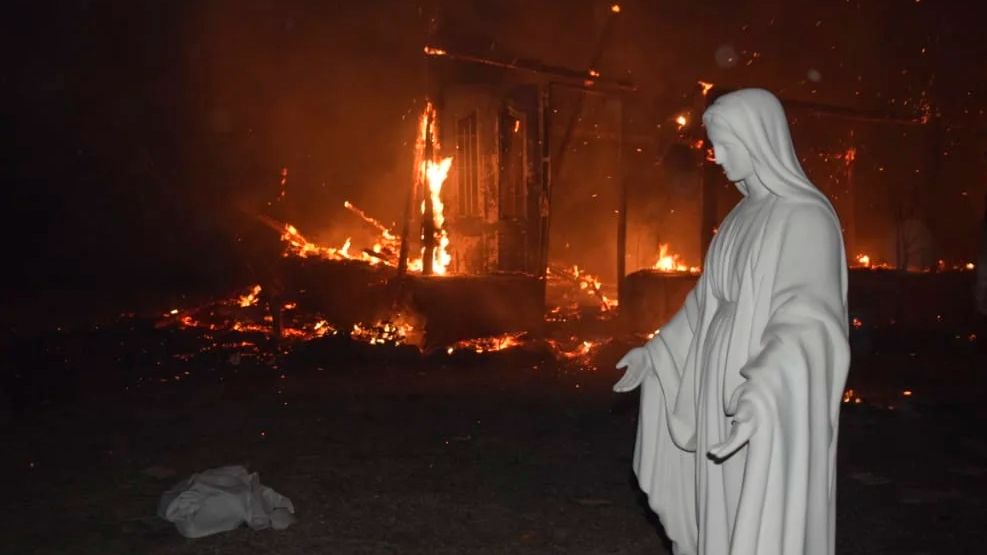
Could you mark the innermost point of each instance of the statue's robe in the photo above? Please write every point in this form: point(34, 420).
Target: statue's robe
point(768, 315)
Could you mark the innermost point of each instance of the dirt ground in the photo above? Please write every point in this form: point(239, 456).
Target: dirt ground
point(384, 451)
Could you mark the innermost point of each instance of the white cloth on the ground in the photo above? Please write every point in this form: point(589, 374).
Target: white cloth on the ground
point(221, 499)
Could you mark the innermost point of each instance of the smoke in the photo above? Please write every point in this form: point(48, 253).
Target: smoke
point(147, 132)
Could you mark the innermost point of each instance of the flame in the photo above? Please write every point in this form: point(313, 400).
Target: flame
point(681, 120)
point(706, 87)
point(251, 298)
point(487, 344)
point(384, 332)
point(432, 51)
point(582, 350)
point(387, 245)
point(850, 155)
point(615, 8)
point(590, 284)
point(668, 262)
point(435, 176)
point(850, 396)
point(864, 261)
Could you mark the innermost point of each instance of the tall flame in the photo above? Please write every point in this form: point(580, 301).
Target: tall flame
point(669, 262)
point(435, 176)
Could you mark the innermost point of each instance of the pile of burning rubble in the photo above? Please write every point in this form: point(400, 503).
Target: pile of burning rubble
point(246, 322)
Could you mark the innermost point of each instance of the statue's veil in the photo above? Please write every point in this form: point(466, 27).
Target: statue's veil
point(757, 119)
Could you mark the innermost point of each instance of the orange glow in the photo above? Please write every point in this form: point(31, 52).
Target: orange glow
point(864, 261)
point(850, 396)
point(681, 121)
point(850, 155)
point(669, 262)
point(593, 73)
point(251, 298)
point(387, 245)
point(383, 332)
point(433, 174)
point(706, 87)
point(615, 8)
point(907, 393)
point(296, 244)
point(436, 174)
point(582, 350)
point(487, 344)
point(590, 284)
point(857, 323)
point(432, 51)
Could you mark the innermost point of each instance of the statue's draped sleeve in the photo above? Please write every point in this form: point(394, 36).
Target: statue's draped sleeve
point(794, 383)
point(663, 461)
point(670, 350)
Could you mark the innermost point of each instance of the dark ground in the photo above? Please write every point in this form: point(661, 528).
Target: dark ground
point(382, 451)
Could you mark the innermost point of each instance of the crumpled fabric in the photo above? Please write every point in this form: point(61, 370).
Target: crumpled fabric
point(221, 499)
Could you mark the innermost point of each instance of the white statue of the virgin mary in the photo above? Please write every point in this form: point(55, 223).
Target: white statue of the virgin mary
point(741, 390)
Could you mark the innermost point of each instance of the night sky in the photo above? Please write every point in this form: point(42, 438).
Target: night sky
point(143, 134)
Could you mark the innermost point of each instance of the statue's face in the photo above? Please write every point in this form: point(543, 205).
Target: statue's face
point(730, 153)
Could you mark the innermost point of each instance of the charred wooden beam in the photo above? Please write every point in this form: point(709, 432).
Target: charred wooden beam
point(590, 80)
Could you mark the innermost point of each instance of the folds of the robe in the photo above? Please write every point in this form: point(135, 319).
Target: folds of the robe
point(796, 358)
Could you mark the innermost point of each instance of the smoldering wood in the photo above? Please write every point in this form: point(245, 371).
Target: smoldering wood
point(908, 301)
point(452, 308)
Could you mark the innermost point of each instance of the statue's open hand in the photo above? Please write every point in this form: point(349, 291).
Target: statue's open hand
point(745, 423)
point(637, 362)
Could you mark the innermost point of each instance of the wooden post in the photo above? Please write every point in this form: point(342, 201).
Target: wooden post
point(621, 207)
point(850, 218)
point(428, 217)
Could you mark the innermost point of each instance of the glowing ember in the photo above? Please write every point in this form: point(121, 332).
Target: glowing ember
point(432, 51)
point(251, 298)
point(582, 350)
point(850, 155)
point(669, 262)
point(706, 87)
point(615, 8)
point(850, 396)
point(587, 283)
point(296, 244)
point(487, 344)
point(864, 261)
point(385, 332)
point(681, 121)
